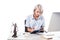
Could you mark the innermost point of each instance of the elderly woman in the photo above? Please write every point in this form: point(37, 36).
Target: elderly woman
point(35, 22)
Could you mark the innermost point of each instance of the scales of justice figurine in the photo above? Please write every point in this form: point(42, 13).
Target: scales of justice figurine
point(14, 30)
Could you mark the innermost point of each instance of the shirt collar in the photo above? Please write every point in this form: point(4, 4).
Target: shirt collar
point(38, 17)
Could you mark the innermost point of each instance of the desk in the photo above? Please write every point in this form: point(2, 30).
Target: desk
point(35, 37)
point(28, 36)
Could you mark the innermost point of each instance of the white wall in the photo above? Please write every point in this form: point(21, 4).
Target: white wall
point(18, 10)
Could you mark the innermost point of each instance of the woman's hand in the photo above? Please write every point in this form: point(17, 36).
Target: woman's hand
point(42, 29)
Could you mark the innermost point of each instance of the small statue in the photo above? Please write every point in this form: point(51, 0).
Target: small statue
point(14, 31)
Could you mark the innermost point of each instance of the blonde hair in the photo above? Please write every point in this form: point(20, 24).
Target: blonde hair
point(38, 6)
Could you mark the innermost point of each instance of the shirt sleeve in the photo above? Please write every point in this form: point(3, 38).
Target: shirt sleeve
point(27, 22)
point(43, 24)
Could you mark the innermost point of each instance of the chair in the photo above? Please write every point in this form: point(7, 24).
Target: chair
point(25, 26)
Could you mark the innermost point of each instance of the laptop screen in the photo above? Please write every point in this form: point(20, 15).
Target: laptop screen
point(54, 22)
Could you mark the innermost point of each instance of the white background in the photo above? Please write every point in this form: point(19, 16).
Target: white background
point(12, 11)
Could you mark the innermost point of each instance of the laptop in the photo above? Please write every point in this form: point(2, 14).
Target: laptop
point(54, 26)
point(54, 22)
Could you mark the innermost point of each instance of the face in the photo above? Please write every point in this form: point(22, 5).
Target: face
point(37, 12)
